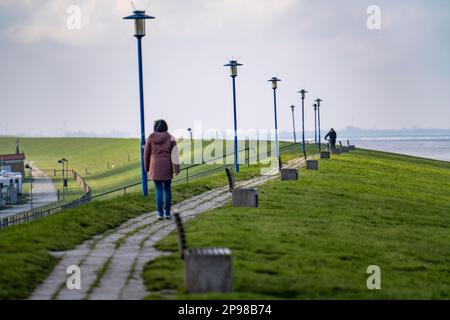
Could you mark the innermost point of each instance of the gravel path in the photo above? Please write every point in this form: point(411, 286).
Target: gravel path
point(112, 263)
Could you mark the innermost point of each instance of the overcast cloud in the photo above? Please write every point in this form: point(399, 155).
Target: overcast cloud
point(53, 79)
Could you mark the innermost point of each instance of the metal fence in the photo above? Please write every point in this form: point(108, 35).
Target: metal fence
point(88, 197)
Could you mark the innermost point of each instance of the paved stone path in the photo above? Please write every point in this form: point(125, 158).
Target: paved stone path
point(44, 193)
point(111, 263)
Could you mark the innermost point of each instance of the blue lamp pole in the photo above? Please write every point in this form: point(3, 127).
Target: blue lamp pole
point(303, 92)
point(293, 123)
point(274, 82)
point(318, 100)
point(315, 123)
point(139, 18)
point(233, 64)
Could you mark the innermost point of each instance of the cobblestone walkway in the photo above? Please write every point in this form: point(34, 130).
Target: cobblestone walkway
point(111, 263)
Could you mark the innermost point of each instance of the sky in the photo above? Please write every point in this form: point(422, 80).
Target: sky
point(55, 79)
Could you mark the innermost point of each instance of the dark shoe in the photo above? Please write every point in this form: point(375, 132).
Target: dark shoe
point(169, 217)
point(160, 217)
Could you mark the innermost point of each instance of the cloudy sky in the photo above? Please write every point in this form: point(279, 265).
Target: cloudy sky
point(55, 79)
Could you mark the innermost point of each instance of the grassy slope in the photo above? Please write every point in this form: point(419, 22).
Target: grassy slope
point(92, 154)
point(24, 249)
point(314, 238)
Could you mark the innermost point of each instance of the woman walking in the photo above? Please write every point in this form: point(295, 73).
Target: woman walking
point(161, 161)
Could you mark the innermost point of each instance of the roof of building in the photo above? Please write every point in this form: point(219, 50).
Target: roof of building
point(12, 157)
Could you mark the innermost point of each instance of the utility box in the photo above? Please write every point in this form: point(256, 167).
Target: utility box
point(245, 197)
point(289, 174)
point(351, 147)
point(325, 155)
point(312, 165)
point(208, 270)
point(344, 149)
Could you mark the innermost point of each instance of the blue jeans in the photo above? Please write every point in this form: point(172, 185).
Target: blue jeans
point(163, 190)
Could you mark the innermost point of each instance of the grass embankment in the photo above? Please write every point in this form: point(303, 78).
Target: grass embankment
point(105, 164)
point(25, 260)
point(314, 238)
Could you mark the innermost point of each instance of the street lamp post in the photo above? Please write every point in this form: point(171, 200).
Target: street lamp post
point(63, 189)
point(190, 133)
point(315, 123)
point(139, 18)
point(318, 100)
point(67, 166)
point(274, 82)
point(31, 185)
point(233, 64)
point(293, 123)
point(303, 92)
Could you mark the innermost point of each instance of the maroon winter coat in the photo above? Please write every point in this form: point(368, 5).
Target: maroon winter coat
point(158, 159)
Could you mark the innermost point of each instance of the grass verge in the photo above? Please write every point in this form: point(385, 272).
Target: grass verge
point(25, 260)
point(314, 238)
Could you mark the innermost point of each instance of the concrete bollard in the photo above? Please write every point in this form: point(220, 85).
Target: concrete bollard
point(325, 155)
point(312, 165)
point(289, 174)
point(336, 151)
point(242, 197)
point(344, 149)
point(208, 270)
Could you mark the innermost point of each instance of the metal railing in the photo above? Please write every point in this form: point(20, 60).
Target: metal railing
point(88, 197)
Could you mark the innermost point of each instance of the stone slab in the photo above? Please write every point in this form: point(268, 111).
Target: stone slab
point(289, 174)
point(325, 155)
point(245, 197)
point(336, 151)
point(312, 165)
point(208, 270)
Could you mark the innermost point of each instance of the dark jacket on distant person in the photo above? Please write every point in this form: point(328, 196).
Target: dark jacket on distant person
point(332, 134)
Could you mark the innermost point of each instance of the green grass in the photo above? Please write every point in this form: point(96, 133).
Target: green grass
point(90, 157)
point(314, 238)
point(25, 260)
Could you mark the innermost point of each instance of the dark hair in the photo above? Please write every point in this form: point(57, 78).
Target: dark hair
point(160, 126)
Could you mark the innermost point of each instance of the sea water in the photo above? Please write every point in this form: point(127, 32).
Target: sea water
point(426, 147)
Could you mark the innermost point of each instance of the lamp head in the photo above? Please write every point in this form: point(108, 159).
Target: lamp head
point(315, 106)
point(318, 100)
point(303, 92)
point(139, 18)
point(292, 107)
point(274, 81)
point(233, 64)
